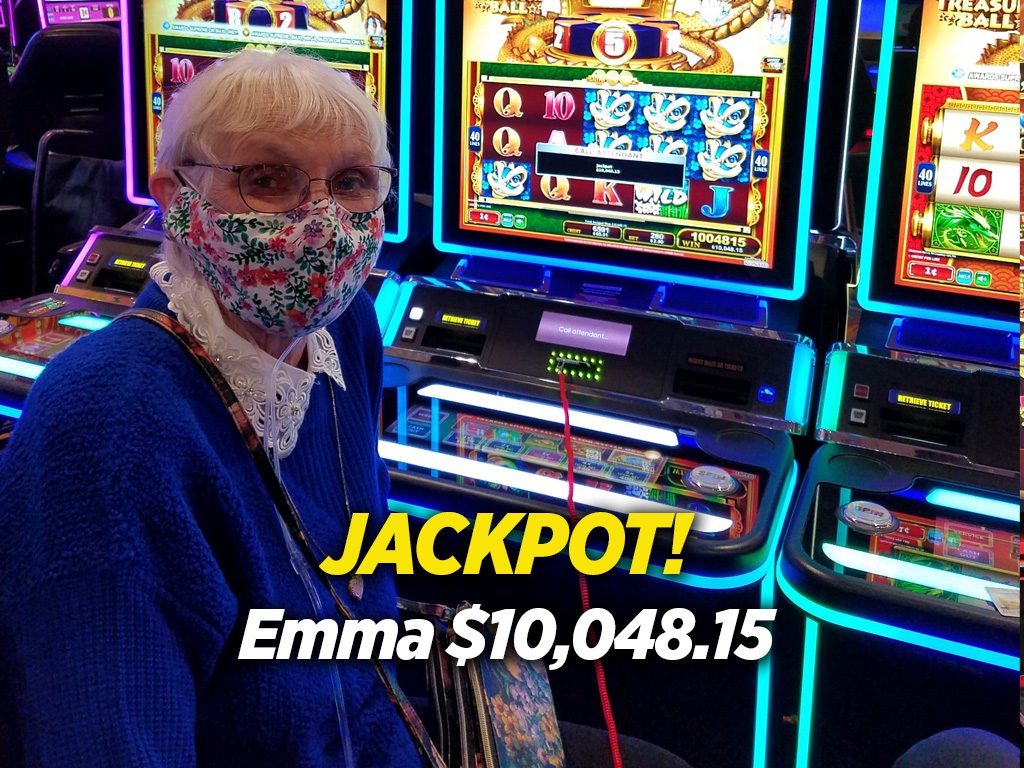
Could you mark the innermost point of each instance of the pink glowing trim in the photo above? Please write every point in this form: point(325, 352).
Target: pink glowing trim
point(6, 21)
point(10, 23)
point(129, 111)
point(42, 14)
point(86, 249)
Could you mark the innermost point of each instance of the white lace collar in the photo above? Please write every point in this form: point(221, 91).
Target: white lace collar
point(246, 367)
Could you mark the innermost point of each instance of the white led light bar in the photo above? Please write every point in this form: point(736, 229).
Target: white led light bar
point(553, 414)
point(85, 322)
point(23, 368)
point(979, 505)
point(545, 486)
point(968, 586)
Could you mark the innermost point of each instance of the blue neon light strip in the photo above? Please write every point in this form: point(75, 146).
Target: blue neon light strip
point(832, 390)
point(9, 412)
point(404, 132)
point(869, 240)
point(398, 314)
point(802, 241)
point(798, 405)
point(21, 368)
point(900, 634)
point(803, 735)
point(763, 695)
point(384, 304)
point(689, 579)
point(85, 322)
point(979, 505)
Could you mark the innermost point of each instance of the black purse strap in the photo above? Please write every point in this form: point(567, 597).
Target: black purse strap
point(288, 513)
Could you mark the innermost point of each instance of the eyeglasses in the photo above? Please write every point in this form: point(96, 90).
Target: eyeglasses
point(283, 188)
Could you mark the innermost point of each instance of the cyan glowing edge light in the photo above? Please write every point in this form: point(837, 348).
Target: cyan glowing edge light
point(553, 414)
point(802, 241)
point(901, 634)
point(979, 505)
point(832, 390)
point(398, 313)
point(21, 368)
point(801, 379)
point(9, 412)
point(891, 568)
point(384, 304)
point(85, 322)
point(545, 486)
point(803, 734)
point(871, 213)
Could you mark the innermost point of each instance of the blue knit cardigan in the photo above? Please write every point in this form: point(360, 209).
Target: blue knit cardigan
point(135, 535)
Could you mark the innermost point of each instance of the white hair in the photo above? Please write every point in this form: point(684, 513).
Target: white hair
point(255, 91)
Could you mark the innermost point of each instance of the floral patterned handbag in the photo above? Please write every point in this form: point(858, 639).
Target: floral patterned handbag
point(490, 713)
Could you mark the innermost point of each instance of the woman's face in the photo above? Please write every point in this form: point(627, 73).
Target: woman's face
point(319, 156)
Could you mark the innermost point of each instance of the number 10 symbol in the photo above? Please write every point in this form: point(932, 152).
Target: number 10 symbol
point(559, 106)
point(980, 183)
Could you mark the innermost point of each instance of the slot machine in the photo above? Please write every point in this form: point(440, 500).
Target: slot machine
point(108, 273)
point(167, 43)
point(623, 200)
point(902, 554)
point(55, 12)
point(29, 16)
point(164, 45)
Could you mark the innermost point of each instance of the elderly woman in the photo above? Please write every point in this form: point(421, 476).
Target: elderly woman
point(137, 530)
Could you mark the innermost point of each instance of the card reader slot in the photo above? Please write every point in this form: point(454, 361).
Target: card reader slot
point(454, 340)
point(712, 387)
point(924, 427)
point(120, 280)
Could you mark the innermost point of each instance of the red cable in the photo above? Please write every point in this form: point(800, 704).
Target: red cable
point(602, 685)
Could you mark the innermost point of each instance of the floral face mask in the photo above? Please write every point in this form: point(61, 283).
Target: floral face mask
point(289, 273)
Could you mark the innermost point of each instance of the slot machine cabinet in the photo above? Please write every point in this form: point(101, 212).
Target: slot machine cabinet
point(109, 272)
point(903, 550)
point(593, 222)
point(26, 17)
point(167, 43)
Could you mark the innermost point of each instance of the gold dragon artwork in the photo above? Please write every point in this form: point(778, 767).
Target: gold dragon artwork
point(531, 37)
point(324, 15)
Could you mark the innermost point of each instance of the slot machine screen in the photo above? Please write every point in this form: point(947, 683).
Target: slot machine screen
point(168, 42)
point(53, 12)
point(654, 137)
point(947, 159)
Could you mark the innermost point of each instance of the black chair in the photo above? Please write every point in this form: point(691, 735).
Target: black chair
point(68, 78)
point(67, 126)
point(15, 277)
point(78, 185)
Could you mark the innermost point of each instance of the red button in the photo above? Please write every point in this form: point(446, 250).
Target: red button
point(862, 391)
